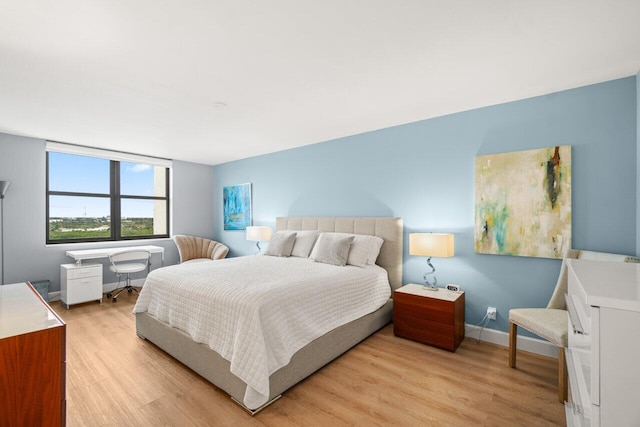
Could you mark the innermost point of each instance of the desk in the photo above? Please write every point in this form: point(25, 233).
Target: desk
point(81, 255)
point(83, 282)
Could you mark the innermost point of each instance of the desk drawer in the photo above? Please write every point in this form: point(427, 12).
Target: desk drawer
point(84, 289)
point(86, 270)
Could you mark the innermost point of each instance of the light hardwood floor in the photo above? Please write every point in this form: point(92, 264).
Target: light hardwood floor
point(115, 378)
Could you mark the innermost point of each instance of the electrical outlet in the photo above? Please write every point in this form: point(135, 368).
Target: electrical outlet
point(492, 312)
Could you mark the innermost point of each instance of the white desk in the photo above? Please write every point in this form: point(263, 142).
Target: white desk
point(84, 254)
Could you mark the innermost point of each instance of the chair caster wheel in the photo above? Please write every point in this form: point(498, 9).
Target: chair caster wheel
point(114, 299)
point(109, 295)
point(130, 290)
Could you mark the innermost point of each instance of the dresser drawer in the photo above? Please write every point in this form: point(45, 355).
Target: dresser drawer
point(579, 310)
point(579, 372)
point(579, 332)
point(574, 417)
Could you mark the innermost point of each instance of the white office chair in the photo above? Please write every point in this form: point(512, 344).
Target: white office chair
point(120, 266)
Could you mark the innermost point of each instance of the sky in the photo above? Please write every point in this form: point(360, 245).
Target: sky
point(68, 172)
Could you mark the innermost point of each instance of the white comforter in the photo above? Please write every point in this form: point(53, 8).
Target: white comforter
point(257, 311)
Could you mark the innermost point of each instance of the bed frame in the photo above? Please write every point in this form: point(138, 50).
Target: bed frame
point(209, 364)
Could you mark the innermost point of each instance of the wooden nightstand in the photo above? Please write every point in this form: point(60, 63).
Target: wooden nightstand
point(431, 317)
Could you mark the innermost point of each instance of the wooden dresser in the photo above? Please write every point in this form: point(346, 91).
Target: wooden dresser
point(431, 317)
point(32, 359)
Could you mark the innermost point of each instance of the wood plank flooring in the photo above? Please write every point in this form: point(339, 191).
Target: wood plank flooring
point(116, 379)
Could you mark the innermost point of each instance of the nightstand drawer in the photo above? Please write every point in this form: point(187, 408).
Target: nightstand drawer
point(424, 308)
point(425, 331)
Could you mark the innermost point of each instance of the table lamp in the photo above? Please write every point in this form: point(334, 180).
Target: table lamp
point(431, 245)
point(258, 234)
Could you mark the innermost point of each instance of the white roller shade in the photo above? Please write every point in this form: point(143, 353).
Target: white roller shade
point(81, 150)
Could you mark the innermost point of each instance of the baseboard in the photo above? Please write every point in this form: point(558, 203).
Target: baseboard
point(531, 345)
point(106, 287)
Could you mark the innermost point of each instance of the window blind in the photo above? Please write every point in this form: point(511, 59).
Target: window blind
point(82, 150)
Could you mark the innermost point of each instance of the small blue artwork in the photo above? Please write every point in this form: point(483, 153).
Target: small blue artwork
point(237, 207)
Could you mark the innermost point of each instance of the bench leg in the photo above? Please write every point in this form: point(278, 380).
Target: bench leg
point(513, 336)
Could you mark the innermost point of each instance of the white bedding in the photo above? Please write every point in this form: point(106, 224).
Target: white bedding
point(257, 311)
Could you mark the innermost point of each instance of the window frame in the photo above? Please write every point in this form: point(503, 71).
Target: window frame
point(115, 199)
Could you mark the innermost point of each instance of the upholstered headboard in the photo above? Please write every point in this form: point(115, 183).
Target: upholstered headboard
point(387, 228)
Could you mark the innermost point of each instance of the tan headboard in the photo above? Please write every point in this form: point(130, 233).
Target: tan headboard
point(387, 228)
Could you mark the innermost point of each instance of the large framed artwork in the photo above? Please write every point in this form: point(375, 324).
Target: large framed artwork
point(523, 203)
point(237, 206)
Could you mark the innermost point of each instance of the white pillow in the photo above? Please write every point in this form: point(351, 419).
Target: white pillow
point(364, 249)
point(281, 244)
point(331, 249)
point(304, 242)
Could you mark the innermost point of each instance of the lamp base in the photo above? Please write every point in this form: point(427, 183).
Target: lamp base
point(430, 288)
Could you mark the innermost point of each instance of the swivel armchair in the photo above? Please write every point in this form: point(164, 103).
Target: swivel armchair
point(198, 248)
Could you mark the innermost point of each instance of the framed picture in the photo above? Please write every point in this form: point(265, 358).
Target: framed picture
point(237, 206)
point(523, 203)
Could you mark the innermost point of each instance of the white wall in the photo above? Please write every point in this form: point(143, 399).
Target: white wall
point(27, 257)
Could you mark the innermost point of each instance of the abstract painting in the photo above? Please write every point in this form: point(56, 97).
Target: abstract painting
point(523, 203)
point(237, 206)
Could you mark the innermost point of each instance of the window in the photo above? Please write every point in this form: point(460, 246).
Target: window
point(92, 199)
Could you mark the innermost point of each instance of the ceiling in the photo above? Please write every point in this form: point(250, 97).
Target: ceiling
point(212, 81)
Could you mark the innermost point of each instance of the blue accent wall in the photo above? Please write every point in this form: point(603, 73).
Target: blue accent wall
point(424, 173)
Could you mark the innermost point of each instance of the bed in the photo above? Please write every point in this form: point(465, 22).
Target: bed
point(217, 369)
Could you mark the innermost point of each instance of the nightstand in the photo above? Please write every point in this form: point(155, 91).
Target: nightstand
point(431, 317)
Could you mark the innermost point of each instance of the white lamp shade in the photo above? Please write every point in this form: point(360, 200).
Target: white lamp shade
point(258, 233)
point(431, 244)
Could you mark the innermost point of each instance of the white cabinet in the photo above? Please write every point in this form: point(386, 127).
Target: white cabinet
point(603, 356)
point(80, 283)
